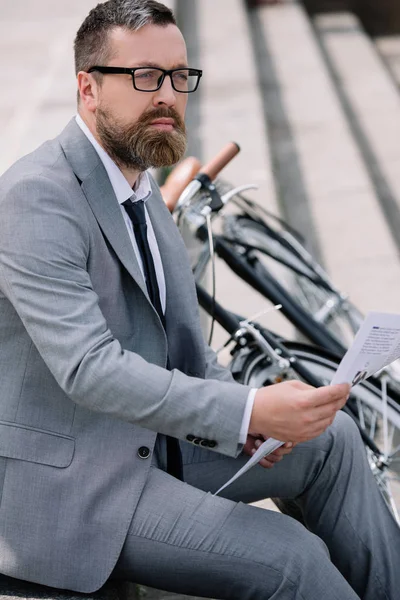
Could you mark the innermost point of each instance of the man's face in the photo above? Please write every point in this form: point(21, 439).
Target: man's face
point(126, 119)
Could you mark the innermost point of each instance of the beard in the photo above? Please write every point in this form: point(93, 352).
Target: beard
point(140, 146)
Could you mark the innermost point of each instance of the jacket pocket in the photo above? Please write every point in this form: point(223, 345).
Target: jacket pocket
point(36, 445)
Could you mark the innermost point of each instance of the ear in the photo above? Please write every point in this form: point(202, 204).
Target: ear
point(88, 90)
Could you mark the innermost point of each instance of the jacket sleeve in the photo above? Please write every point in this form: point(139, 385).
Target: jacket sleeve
point(214, 370)
point(44, 249)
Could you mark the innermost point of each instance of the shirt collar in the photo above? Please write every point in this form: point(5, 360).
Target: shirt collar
point(121, 187)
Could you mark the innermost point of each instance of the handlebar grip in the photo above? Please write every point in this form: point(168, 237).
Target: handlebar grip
point(178, 179)
point(224, 156)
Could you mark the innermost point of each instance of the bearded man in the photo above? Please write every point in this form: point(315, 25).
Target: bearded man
point(116, 421)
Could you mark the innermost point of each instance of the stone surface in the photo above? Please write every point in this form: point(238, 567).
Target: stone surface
point(342, 200)
point(11, 589)
point(389, 48)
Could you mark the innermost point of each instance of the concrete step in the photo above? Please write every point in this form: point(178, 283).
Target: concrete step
point(389, 48)
point(341, 200)
point(372, 102)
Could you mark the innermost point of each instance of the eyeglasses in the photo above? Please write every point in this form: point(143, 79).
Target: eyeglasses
point(150, 79)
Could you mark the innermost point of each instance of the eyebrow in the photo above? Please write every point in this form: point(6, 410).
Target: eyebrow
point(157, 66)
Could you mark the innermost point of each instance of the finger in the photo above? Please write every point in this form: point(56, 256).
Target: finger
point(285, 449)
point(264, 462)
point(282, 451)
point(330, 394)
point(313, 431)
point(267, 463)
point(320, 428)
point(299, 385)
point(342, 402)
point(248, 448)
point(274, 458)
point(290, 447)
point(322, 413)
point(251, 444)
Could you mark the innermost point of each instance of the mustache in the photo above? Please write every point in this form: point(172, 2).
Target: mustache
point(162, 113)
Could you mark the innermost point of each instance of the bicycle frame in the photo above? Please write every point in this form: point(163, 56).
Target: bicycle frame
point(292, 241)
point(274, 291)
point(312, 326)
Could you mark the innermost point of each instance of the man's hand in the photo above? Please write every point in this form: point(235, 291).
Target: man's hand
point(252, 444)
point(294, 411)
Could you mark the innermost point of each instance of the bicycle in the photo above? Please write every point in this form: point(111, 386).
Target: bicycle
point(319, 311)
point(259, 358)
point(195, 209)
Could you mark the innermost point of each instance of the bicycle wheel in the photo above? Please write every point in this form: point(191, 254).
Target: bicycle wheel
point(253, 368)
point(245, 231)
point(276, 255)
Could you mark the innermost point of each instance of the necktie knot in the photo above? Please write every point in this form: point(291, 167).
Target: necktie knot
point(135, 211)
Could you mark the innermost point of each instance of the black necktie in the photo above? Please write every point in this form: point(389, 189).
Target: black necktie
point(137, 215)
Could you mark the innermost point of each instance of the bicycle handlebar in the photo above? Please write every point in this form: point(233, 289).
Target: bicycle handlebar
point(219, 162)
point(208, 173)
point(178, 180)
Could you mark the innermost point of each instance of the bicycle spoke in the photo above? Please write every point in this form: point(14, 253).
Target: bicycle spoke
point(374, 421)
point(393, 453)
point(360, 413)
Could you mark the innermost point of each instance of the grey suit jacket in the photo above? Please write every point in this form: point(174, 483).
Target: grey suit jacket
point(83, 381)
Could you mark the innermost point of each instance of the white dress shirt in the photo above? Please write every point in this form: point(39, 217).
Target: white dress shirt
point(142, 191)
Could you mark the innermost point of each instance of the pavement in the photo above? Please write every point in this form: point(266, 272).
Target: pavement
point(314, 105)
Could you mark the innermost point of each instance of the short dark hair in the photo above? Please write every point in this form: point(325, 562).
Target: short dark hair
point(91, 43)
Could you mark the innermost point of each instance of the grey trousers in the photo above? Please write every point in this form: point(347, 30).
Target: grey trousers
point(184, 539)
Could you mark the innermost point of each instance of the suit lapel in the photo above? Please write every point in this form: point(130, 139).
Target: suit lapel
point(100, 195)
point(185, 338)
point(98, 190)
point(177, 271)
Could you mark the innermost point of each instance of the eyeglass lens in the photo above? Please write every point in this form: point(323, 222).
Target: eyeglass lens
point(148, 80)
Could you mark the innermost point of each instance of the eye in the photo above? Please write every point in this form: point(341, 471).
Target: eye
point(181, 75)
point(146, 74)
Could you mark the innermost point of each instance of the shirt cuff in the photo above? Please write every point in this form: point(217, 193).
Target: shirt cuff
point(244, 430)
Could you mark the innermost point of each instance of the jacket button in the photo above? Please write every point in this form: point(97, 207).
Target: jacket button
point(204, 443)
point(143, 452)
point(212, 443)
point(190, 437)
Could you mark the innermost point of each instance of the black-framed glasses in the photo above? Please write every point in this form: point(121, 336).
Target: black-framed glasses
point(150, 79)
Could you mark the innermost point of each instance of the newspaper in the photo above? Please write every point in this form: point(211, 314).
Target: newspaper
point(376, 345)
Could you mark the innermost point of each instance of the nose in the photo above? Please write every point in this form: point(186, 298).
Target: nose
point(166, 95)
